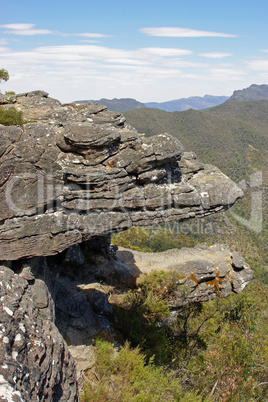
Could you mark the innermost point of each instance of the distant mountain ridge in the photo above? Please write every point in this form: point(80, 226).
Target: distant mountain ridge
point(232, 135)
point(194, 102)
point(252, 93)
point(117, 105)
point(177, 105)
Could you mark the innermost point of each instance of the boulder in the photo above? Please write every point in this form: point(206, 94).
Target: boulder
point(206, 272)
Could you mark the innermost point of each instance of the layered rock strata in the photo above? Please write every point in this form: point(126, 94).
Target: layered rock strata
point(36, 364)
point(74, 172)
point(205, 272)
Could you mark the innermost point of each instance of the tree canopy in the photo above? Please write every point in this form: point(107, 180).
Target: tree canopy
point(4, 76)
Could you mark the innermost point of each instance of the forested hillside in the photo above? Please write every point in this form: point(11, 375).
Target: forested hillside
point(234, 137)
point(216, 351)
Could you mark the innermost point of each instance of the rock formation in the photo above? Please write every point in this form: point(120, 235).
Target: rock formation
point(207, 272)
point(35, 361)
point(71, 176)
point(74, 172)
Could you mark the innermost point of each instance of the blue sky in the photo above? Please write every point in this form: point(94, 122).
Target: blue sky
point(147, 50)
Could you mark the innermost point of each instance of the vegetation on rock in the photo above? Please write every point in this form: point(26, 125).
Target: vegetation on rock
point(215, 351)
point(11, 117)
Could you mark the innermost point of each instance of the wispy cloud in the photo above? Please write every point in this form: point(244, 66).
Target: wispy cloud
point(176, 32)
point(148, 72)
point(166, 52)
point(264, 50)
point(88, 54)
point(225, 73)
point(92, 35)
point(3, 42)
point(259, 65)
point(25, 29)
point(30, 30)
point(18, 27)
point(215, 55)
point(88, 41)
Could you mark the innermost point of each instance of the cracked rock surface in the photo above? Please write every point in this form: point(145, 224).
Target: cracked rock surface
point(35, 362)
point(78, 171)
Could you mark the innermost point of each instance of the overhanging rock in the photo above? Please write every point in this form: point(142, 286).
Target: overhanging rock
point(79, 171)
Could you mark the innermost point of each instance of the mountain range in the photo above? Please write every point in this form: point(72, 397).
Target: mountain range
point(194, 102)
point(117, 105)
point(254, 92)
point(232, 135)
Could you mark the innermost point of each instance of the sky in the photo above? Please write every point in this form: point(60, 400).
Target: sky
point(147, 50)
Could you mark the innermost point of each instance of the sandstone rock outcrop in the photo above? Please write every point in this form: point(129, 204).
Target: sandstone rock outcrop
point(72, 175)
point(35, 361)
point(206, 272)
point(78, 171)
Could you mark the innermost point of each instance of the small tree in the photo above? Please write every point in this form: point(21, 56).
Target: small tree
point(4, 76)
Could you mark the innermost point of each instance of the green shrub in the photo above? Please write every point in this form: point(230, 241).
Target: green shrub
point(217, 350)
point(152, 239)
point(141, 310)
point(124, 376)
point(11, 117)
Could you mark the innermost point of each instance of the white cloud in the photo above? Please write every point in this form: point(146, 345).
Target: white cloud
point(88, 41)
point(264, 50)
point(18, 27)
point(222, 73)
point(84, 54)
point(3, 42)
point(31, 32)
point(259, 65)
point(177, 32)
point(29, 29)
point(25, 29)
point(93, 71)
point(166, 52)
point(92, 35)
point(215, 55)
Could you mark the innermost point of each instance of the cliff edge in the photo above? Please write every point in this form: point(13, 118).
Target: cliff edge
point(74, 172)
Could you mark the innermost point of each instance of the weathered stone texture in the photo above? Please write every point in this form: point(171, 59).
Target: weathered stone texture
point(208, 272)
point(78, 171)
point(34, 359)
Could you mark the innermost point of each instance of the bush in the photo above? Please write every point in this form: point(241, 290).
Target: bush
point(124, 376)
point(152, 239)
point(11, 117)
point(216, 350)
point(141, 310)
